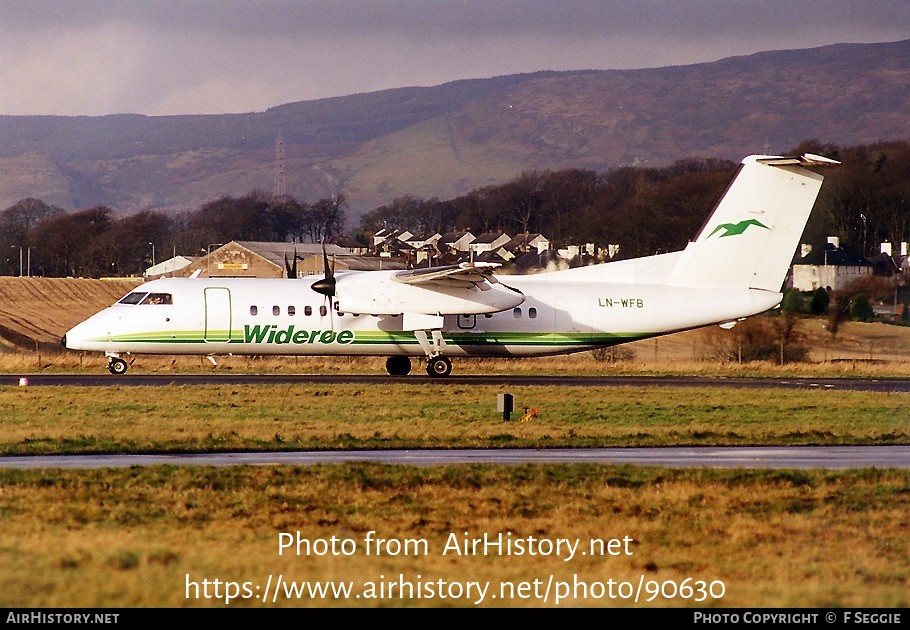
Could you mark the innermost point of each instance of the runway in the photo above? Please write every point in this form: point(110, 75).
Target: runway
point(801, 457)
point(222, 378)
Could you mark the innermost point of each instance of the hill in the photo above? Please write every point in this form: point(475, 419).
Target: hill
point(446, 140)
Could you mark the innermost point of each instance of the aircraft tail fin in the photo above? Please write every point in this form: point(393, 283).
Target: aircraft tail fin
point(750, 238)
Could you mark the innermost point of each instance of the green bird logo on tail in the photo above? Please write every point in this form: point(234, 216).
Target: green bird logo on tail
point(735, 229)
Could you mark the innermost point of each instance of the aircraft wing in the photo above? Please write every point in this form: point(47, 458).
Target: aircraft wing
point(465, 289)
point(464, 275)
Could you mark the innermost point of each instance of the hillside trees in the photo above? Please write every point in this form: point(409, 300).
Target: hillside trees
point(867, 201)
point(250, 218)
point(564, 194)
point(74, 244)
point(259, 216)
point(643, 210)
point(646, 210)
point(419, 216)
point(16, 223)
point(324, 219)
point(97, 242)
point(130, 240)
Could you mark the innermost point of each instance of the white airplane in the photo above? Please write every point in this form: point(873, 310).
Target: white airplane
point(735, 268)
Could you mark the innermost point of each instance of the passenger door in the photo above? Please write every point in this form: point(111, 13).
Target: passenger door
point(217, 314)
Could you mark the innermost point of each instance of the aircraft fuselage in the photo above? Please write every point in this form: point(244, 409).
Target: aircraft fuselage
point(286, 317)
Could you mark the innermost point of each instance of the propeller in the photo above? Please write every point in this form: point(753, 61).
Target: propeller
point(326, 286)
point(291, 267)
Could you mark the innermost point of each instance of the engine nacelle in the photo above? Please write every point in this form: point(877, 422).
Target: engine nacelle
point(380, 294)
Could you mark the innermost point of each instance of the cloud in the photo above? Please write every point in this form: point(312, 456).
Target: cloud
point(69, 69)
point(211, 56)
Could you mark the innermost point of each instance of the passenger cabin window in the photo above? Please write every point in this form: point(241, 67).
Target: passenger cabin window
point(323, 311)
point(254, 310)
point(158, 298)
point(292, 311)
point(532, 312)
point(276, 310)
point(133, 298)
point(516, 312)
point(307, 310)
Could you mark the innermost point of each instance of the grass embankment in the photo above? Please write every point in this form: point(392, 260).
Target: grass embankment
point(36, 312)
point(283, 417)
point(136, 537)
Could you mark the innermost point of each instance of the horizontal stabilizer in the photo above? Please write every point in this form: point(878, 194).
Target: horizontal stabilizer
point(807, 159)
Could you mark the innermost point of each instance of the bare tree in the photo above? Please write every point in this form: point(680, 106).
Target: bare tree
point(325, 219)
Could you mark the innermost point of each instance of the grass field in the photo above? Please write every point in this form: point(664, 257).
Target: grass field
point(285, 417)
point(151, 537)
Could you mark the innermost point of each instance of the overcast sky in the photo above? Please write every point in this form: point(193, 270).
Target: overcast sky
point(161, 57)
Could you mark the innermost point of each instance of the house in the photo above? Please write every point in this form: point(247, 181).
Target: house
point(526, 242)
point(418, 241)
point(832, 267)
point(425, 248)
point(352, 246)
point(488, 242)
point(381, 236)
point(455, 241)
point(385, 239)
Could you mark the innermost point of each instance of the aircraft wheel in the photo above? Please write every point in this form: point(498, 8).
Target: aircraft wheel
point(439, 366)
point(398, 366)
point(117, 366)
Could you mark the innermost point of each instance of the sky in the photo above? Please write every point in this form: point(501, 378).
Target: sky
point(166, 57)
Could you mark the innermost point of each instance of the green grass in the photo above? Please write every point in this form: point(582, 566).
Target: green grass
point(170, 419)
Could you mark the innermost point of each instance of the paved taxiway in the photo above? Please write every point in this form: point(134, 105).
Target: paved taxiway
point(831, 457)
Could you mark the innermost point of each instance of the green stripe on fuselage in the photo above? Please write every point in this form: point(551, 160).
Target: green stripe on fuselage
point(293, 338)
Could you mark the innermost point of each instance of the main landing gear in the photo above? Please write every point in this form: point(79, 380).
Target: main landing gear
point(398, 365)
point(116, 365)
point(438, 366)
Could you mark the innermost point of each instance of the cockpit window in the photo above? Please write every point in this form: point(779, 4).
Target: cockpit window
point(133, 298)
point(158, 298)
